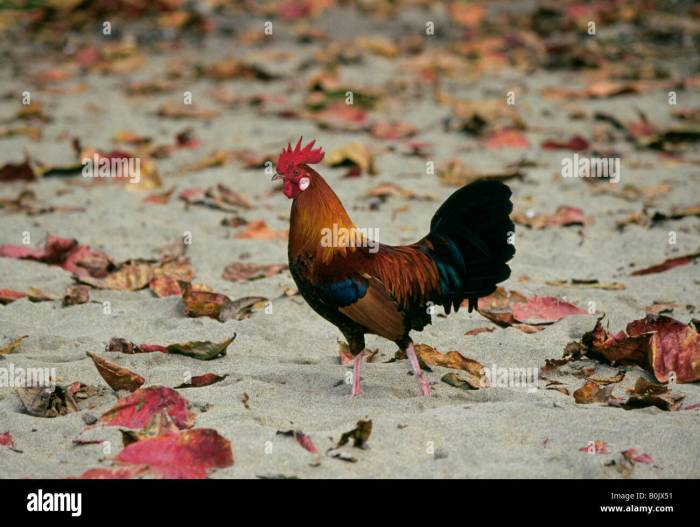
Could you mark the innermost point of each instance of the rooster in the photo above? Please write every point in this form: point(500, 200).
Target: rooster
point(369, 288)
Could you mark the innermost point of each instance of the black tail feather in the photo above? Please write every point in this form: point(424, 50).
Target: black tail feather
point(472, 235)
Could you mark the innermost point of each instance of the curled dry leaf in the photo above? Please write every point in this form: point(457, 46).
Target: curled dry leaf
point(301, 438)
point(76, 294)
point(468, 382)
point(508, 308)
point(663, 345)
point(358, 435)
point(116, 376)
point(137, 409)
point(199, 381)
point(429, 356)
point(58, 400)
point(646, 394)
point(354, 155)
point(592, 392)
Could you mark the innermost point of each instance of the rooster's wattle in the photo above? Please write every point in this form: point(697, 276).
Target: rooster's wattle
point(364, 287)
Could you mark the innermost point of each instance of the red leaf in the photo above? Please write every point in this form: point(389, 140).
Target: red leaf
point(476, 331)
point(544, 310)
point(576, 143)
point(127, 472)
point(137, 409)
point(507, 138)
point(631, 455)
point(180, 455)
point(6, 439)
point(667, 264)
point(199, 381)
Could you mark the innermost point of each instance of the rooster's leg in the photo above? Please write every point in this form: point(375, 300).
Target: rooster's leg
point(357, 364)
point(415, 366)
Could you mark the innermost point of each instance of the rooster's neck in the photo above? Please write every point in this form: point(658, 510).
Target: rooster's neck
point(313, 211)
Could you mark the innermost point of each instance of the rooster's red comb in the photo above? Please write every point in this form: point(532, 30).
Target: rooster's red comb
point(291, 158)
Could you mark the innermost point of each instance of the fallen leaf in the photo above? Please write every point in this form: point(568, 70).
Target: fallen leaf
point(471, 382)
point(258, 230)
point(117, 377)
point(477, 331)
point(12, 345)
point(190, 454)
point(632, 456)
point(137, 409)
point(358, 435)
point(301, 438)
point(354, 155)
point(670, 263)
point(199, 381)
point(76, 294)
point(249, 271)
point(591, 392)
point(663, 345)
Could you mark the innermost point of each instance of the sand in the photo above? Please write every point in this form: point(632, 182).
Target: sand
point(287, 360)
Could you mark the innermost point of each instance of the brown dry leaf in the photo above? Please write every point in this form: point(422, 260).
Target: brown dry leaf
point(354, 155)
point(469, 382)
point(58, 400)
point(386, 190)
point(603, 381)
point(117, 377)
point(456, 174)
point(250, 271)
point(199, 381)
point(358, 435)
point(378, 45)
point(429, 356)
point(178, 110)
point(76, 294)
point(12, 345)
point(259, 230)
point(129, 277)
point(646, 394)
point(591, 392)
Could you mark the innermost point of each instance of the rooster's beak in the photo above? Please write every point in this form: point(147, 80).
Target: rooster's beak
point(276, 177)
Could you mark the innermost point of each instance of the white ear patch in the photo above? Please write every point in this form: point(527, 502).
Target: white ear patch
point(304, 183)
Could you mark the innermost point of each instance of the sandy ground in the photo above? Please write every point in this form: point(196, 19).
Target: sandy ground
point(287, 360)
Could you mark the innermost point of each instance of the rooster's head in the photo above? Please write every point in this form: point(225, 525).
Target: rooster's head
point(292, 167)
